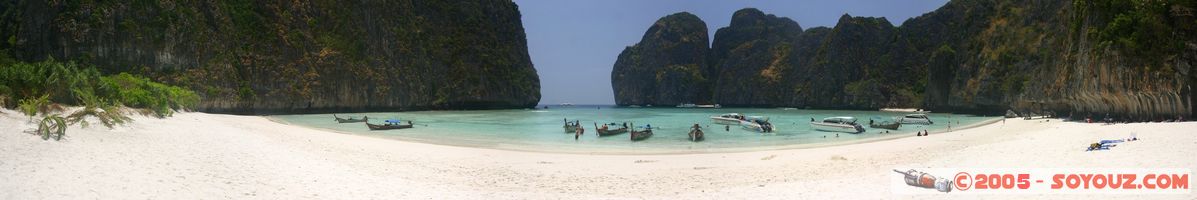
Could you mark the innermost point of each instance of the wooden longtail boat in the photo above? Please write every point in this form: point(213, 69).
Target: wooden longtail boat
point(350, 120)
point(570, 127)
point(696, 133)
point(607, 131)
point(642, 135)
point(390, 124)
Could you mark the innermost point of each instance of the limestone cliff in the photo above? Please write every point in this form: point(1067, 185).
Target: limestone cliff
point(1126, 59)
point(293, 56)
point(667, 67)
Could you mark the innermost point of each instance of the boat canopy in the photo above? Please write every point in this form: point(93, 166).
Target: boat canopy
point(758, 118)
point(393, 121)
point(839, 119)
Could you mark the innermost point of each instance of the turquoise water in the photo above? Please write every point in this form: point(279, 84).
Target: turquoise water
point(540, 130)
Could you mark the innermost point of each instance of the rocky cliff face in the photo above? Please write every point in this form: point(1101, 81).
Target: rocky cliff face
point(667, 67)
point(750, 56)
point(284, 56)
point(1087, 58)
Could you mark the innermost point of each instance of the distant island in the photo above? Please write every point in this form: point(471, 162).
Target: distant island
point(1089, 58)
point(251, 57)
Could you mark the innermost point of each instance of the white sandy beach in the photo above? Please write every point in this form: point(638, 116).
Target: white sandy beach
point(213, 156)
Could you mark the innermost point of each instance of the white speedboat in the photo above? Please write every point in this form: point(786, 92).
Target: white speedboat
point(728, 119)
point(838, 124)
point(710, 106)
point(915, 119)
point(758, 124)
point(686, 105)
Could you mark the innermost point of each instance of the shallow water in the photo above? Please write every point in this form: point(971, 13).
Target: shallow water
point(540, 130)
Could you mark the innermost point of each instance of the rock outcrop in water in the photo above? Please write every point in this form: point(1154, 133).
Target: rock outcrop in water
point(1086, 58)
point(284, 56)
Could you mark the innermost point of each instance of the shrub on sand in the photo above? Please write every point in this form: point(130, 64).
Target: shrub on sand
point(52, 126)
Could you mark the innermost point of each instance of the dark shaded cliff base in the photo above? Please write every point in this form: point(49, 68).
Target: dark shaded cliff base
point(281, 57)
point(1127, 59)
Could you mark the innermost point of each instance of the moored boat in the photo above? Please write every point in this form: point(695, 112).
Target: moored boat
point(757, 124)
point(838, 124)
point(607, 131)
point(915, 119)
point(728, 119)
point(710, 106)
point(350, 120)
point(571, 127)
point(390, 124)
point(878, 122)
point(687, 105)
point(696, 133)
point(642, 134)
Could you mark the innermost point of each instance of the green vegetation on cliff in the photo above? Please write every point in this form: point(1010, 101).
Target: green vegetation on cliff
point(282, 56)
point(1131, 59)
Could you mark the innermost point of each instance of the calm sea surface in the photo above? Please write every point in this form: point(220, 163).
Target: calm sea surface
point(540, 129)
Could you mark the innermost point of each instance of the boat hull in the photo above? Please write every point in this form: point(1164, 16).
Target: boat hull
point(641, 135)
point(350, 120)
point(915, 121)
point(830, 127)
point(891, 126)
point(725, 121)
point(602, 132)
point(696, 135)
point(377, 127)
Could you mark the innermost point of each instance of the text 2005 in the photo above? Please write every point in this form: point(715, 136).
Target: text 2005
point(1002, 181)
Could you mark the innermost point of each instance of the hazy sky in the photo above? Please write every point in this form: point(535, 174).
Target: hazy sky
point(574, 43)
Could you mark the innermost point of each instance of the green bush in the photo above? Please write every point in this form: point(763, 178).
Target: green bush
point(40, 83)
point(32, 106)
point(106, 111)
point(28, 80)
point(139, 92)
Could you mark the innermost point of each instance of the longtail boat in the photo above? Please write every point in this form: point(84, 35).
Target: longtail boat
point(696, 133)
point(642, 135)
point(571, 127)
point(390, 124)
point(350, 120)
point(878, 122)
point(607, 131)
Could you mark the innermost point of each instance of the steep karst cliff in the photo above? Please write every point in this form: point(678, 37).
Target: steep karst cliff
point(667, 67)
point(293, 56)
point(1128, 59)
